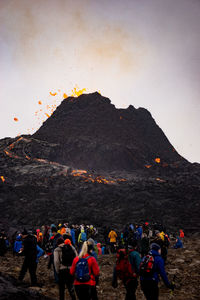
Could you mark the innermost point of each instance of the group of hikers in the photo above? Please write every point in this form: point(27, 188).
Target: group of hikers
point(73, 251)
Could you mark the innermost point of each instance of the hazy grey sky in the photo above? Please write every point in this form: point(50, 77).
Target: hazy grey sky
point(140, 52)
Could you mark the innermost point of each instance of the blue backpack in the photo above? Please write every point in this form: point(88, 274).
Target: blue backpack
point(82, 273)
point(83, 237)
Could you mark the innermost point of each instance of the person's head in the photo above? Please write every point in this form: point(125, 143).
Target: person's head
point(132, 244)
point(84, 250)
point(54, 230)
point(155, 247)
point(157, 233)
point(24, 233)
point(59, 241)
point(90, 241)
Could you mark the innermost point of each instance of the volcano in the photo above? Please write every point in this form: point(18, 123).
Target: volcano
point(92, 134)
point(130, 171)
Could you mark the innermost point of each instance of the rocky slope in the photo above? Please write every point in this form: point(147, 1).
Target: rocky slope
point(35, 191)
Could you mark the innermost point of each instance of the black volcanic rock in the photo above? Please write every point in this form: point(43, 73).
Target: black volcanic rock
point(91, 133)
point(38, 186)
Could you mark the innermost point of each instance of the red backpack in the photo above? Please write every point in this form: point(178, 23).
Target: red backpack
point(123, 266)
point(146, 266)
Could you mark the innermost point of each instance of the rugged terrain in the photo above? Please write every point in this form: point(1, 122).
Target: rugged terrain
point(183, 266)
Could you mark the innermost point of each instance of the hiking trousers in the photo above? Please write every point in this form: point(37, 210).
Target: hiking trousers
point(65, 279)
point(131, 288)
point(30, 265)
point(94, 293)
point(150, 289)
point(83, 291)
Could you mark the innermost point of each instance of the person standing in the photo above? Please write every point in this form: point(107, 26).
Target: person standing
point(127, 269)
point(149, 283)
point(85, 269)
point(30, 253)
point(113, 239)
point(64, 255)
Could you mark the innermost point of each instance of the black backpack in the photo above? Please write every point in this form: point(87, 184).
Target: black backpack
point(68, 255)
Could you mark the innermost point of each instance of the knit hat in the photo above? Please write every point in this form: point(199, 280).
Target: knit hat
point(155, 246)
point(157, 231)
point(68, 242)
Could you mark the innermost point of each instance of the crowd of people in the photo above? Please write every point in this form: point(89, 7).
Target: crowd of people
point(72, 252)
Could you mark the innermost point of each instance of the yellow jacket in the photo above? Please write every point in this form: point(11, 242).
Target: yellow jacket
point(112, 236)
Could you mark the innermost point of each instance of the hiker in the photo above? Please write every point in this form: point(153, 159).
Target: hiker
point(150, 273)
point(181, 234)
point(82, 238)
point(160, 240)
point(54, 238)
point(93, 248)
point(144, 245)
point(17, 249)
point(30, 253)
point(64, 255)
point(86, 270)
point(67, 235)
point(73, 235)
point(113, 239)
point(179, 243)
point(127, 269)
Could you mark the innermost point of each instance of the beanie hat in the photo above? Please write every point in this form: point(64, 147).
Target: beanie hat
point(157, 231)
point(68, 242)
point(91, 242)
point(155, 246)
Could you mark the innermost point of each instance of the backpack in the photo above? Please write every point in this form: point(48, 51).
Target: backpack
point(83, 237)
point(146, 266)
point(123, 266)
point(82, 273)
point(68, 255)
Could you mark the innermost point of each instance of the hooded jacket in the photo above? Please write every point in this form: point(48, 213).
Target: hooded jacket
point(93, 269)
point(158, 269)
point(58, 258)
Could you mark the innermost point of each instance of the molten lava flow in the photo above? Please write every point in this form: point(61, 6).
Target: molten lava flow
point(65, 96)
point(157, 160)
point(40, 102)
point(2, 178)
point(148, 166)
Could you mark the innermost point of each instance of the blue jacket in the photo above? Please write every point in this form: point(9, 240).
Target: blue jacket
point(17, 246)
point(178, 244)
point(158, 269)
point(139, 230)
point(40, 252)
point(73, 236)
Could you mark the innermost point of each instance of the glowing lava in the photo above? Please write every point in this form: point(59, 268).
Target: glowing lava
point(2, 178)
point(157, 160)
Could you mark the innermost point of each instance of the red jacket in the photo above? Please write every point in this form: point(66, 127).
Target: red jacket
point(93, 269)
